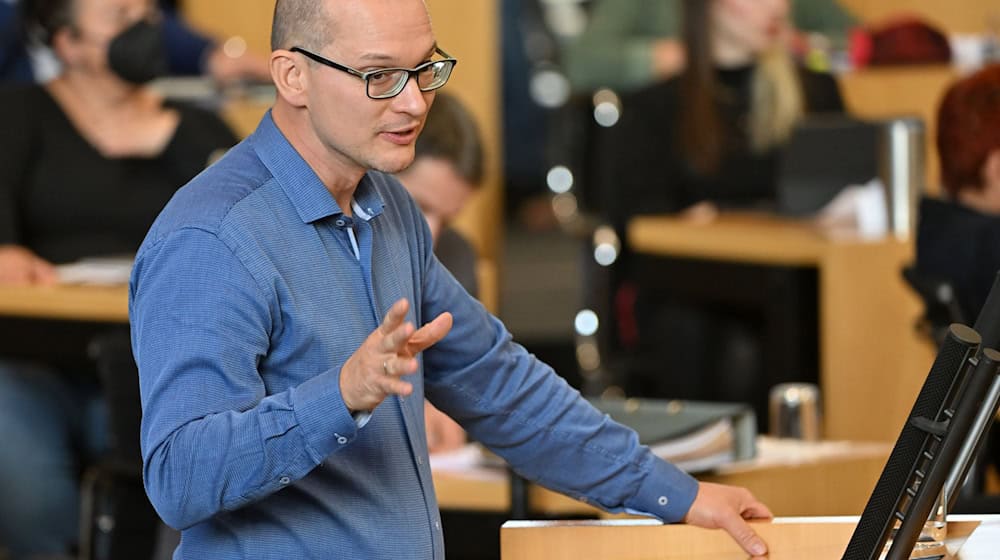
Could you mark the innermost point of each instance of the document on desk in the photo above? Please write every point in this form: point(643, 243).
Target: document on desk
point(104, 271)
point(694, 435)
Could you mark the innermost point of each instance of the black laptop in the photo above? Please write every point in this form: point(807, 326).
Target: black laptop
point(825, 154)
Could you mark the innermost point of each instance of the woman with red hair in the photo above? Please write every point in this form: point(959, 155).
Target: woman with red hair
point(958, 239)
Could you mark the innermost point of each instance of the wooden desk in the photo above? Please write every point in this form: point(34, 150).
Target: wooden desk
point(792, 478)
point(872, 362)
point(969, 538)
point(66, 302)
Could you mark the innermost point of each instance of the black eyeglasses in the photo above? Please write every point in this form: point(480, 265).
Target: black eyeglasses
point(389, 82)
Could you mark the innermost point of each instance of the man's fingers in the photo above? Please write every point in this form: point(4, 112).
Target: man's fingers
point(428, 335)
point(395, 386)
point(757, 510)
point(393, 342)
point(395, 316)
point(743, 534)
point(395, 367)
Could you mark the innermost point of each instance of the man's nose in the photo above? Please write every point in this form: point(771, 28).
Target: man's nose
point(411, 100)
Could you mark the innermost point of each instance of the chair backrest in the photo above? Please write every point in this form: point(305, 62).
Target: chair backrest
point(941, 307)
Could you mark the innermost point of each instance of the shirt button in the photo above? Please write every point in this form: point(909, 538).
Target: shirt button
point(420, 461)
point(284, 480)
point(340, 223)
point(342, 440)
point(437, 525)
point(662, 500)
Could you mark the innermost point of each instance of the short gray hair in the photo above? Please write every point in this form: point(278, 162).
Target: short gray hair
point(302, 23)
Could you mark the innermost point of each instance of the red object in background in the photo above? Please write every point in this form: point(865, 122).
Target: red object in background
point(903, 40)
point(859, 47)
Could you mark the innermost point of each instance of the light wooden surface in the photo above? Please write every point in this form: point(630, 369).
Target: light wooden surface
point(793, 478)
point(955, 16)
point(66, 302)
point(872, 362)
point(971, 538)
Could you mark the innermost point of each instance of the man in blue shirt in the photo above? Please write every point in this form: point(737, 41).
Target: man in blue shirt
point(273, 307)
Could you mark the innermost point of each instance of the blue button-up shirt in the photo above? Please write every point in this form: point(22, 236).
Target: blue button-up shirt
point(247, 298)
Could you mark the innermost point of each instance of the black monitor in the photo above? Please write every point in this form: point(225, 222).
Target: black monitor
point(824, 154)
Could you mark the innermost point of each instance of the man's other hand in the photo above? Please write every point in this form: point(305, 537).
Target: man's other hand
point(373, 372)
point(728, 507)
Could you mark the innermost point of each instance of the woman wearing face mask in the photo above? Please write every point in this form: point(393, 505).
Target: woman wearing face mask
point(86, 163)
point(705, 139)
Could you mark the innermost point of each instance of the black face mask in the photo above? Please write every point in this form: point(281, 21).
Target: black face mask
point(137, 54)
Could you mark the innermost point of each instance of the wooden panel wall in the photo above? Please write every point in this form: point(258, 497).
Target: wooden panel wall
point(955, 16)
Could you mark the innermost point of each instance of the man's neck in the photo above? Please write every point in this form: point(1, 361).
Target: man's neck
point(338, 176)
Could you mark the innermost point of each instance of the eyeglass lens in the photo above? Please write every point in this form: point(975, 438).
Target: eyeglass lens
point(390, 83)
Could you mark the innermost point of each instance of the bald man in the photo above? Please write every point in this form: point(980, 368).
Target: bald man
point(289, 316)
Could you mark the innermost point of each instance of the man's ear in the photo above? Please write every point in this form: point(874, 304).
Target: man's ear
point(290, 77)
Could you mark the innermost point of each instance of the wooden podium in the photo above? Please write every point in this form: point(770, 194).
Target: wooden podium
point(819, 538)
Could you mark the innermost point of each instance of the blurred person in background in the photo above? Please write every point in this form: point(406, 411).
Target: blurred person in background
point(447, 170)
point(86, 162)
point(631, 43)
point(711, 134)
point(705, 139)
point(26, 58)
point(958, 237)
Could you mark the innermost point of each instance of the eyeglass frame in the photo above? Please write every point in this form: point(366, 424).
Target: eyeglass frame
point(413, 72)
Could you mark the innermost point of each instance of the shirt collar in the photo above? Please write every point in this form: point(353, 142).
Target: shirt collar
point(303, 187)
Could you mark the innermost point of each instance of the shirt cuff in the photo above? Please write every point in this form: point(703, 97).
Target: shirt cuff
point(361, 418)
point(327, 425)
point(666, 493)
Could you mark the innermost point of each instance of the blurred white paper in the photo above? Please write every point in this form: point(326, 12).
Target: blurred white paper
point(858, 207)
point(96, 270)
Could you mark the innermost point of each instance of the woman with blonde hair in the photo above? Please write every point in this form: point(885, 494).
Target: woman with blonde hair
point(708, 139)
point(711, 133)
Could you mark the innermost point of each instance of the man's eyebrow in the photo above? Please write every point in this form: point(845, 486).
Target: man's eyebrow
point(382, 57)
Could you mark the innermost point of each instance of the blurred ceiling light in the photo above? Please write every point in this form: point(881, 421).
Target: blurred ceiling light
point(559, 179)
point(606, 246)
point(235, 47)
point(565, 207)
point(549, 88)
point(587, 356)
point(607, 107)
point(566, 18)
point(586, 322)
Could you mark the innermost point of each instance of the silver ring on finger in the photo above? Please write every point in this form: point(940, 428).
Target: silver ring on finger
point(385, 367)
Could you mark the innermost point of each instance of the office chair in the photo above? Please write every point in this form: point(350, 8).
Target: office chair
point(941, 306)
point(117, 522)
